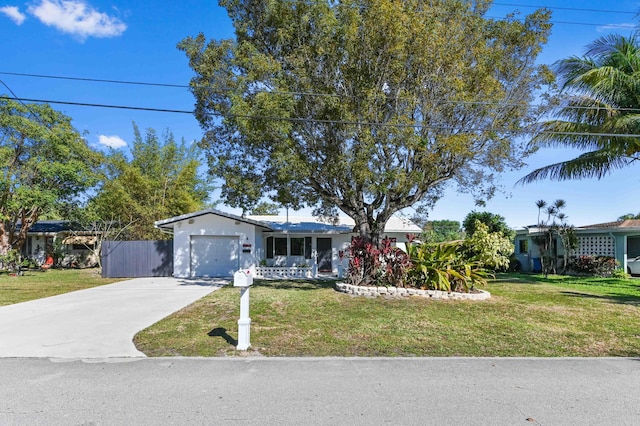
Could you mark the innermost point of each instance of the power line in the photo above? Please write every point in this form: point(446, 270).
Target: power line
point(95, 80)
point(574, 9)
point(275, 92)
point(314, 120)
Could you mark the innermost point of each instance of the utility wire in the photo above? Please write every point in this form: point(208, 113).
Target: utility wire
point(314, 120)
point(275, 92)
point(574, 9)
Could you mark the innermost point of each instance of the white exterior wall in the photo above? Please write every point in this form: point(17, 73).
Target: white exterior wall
point(210, 225)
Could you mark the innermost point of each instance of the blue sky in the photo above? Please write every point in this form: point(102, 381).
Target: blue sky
point(133, 40)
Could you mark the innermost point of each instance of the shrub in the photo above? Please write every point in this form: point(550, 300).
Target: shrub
point(599, 266)
point(444, 267)
point(384, 265)
point(491, 249)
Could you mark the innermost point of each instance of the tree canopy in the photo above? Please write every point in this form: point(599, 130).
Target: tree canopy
point(364, 106)
point(45, 167)
point(494, 223)
point(599, 111)
point(160, 180)
point(436, 231)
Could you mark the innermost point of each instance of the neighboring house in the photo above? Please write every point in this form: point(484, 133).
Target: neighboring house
point(620, 240)
point(76, 247)
point(211, 243)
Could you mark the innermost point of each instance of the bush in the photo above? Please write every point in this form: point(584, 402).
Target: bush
point(599, 266)
point(445, 267)
point(384, 265)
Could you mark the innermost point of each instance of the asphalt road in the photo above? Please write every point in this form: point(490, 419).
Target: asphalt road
point(320, 391)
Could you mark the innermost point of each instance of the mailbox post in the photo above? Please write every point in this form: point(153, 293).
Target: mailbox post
point(243, 279)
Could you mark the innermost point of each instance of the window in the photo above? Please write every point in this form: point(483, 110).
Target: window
point(297, 246)
point(281, 246)
point(269, 247)
point(523, 246)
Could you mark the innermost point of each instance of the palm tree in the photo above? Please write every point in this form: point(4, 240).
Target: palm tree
point(540, 204)
point(599, 111)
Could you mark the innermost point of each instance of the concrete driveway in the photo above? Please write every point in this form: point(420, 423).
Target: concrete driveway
point(99, 322)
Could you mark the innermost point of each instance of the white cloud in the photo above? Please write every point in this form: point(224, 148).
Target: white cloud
point(78, 18)
point(14, 14)
point(114, 142)
point(616, 27)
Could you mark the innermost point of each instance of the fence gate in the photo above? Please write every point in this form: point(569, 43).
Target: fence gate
point(133, 259)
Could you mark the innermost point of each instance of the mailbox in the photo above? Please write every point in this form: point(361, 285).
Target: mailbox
point(242, 278)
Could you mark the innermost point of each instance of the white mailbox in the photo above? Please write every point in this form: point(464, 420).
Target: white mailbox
point(242, 278)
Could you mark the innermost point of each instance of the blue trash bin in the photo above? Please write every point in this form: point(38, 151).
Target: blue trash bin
point(537, 264)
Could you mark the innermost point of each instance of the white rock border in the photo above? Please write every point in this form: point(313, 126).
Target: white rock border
point(406, 292)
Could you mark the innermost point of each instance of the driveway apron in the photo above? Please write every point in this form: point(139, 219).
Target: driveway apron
point(99, 322)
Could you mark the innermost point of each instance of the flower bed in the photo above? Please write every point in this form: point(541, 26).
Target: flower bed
point(406, 292)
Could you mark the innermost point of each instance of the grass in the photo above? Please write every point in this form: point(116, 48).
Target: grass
point(527, 315)
point(39, 284)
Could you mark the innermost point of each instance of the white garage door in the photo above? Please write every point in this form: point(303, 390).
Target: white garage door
point(214, 256)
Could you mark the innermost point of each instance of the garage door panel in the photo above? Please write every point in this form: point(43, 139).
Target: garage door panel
point(214, 256)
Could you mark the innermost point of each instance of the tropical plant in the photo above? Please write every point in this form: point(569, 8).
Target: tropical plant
point(444, 267)
point(383, 265)
point(599, 111)
point(551, 229)
point(490, 249)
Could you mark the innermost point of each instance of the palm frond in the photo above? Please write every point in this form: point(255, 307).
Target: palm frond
point(589, 165)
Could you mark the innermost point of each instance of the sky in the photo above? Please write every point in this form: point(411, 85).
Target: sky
point(135, 41)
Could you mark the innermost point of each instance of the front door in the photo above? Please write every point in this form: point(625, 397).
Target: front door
point(325, 254)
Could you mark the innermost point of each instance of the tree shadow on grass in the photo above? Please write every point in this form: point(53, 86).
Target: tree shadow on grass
point(222, 332)
point(621, 299)
point(285, 284)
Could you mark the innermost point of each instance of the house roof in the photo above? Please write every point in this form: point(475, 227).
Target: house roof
point(341, 225)
point(295, 224)
point(48, 227)
point(170, 222)
point(620, 224)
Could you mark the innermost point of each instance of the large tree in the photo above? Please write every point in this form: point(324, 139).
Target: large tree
point(45, 165)
point(598, 112)
point(160, 179)
point(364, 106)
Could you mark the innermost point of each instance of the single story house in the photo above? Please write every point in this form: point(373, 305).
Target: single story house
point(620, 240)
point(211, 243)
point(74, 246)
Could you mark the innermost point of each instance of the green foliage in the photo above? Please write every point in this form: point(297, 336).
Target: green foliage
point(445, 267)
point(629, 216)
point(494, 222)
point(599, 266)
point(366, 107)
point(597, 111)
point(45, 168)
point(266, 209)
point(10, 261)
point(437, 231)
point(551, 229)
point(385, 265)
point(160, 180)
point(491, 249)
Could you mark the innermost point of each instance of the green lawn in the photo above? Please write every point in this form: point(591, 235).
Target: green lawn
point(38, 284)
point(528, 315)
